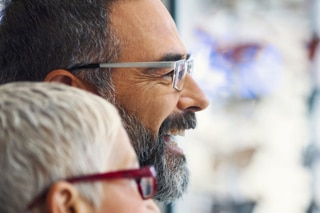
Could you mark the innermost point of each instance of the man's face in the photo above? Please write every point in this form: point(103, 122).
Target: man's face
point(153, 112)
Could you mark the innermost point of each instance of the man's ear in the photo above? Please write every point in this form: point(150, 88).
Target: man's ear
point(62, 76)
point(63, 197)
point(66, 77)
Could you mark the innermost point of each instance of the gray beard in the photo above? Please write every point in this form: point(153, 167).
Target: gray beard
point(172, 171)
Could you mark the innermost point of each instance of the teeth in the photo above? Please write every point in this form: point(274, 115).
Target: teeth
point(177, 132)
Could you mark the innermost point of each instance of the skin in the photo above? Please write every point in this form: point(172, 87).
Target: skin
point(148, 94)
point(148, 33)
point(121, 195)
point(151, 97)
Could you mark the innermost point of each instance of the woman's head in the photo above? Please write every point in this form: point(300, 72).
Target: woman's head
point(50, 132)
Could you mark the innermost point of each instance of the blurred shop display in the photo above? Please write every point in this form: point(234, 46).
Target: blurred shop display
point(249, 152)
point(312, 159)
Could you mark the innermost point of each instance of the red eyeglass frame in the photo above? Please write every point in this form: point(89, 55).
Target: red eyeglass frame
point(137, 174)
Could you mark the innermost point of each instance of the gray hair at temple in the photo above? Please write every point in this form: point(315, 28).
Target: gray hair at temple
point(50, 131)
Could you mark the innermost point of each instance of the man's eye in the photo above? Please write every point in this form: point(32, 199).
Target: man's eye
point(169, 74)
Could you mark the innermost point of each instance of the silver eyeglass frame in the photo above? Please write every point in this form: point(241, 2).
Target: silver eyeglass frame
point(187, 65)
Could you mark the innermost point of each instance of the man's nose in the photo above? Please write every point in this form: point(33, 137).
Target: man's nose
point(192, 97)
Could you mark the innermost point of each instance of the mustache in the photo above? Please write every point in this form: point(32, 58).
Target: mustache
point(185, 120)
point(155, 150)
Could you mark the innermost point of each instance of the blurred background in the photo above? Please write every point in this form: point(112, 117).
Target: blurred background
point(256, 148)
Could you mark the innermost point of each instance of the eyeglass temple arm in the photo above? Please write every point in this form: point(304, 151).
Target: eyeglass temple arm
point(159, 64)
point(133, 173)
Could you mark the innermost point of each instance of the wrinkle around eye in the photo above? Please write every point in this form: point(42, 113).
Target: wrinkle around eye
point(169, 75)
point(159, 73)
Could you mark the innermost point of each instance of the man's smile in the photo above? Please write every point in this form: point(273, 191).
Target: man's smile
point(175, 126)
point(170, 141)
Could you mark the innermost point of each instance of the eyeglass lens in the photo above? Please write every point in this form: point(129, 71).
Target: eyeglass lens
point(181, 70)
point(146, 187)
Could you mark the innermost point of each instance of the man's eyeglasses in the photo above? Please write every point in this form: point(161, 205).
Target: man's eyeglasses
point(180, 68)
point(145, 178)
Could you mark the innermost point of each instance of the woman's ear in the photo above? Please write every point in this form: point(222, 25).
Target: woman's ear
point(66, 77)
point(63, 197)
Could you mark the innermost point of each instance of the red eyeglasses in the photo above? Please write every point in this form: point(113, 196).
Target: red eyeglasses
point(145, 178)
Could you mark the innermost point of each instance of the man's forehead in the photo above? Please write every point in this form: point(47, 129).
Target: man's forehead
point(142, 15)
point(146, 31)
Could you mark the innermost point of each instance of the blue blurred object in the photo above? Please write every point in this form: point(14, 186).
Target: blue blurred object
point(241, 70)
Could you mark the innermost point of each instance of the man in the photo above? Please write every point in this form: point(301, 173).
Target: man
point(89, 44)
point(60, 154)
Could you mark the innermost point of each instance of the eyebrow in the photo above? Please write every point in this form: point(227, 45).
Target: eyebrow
point(168, 57)
point(174, 57)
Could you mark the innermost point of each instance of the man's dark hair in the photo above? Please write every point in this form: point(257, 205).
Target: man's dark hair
point(38, 36)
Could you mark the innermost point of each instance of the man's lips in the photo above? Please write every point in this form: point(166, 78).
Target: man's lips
point(171, 143)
